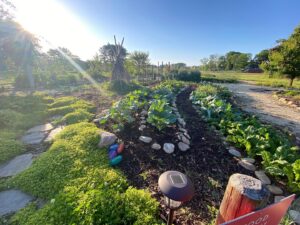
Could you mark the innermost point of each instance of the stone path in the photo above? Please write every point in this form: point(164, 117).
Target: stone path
point(16, 165)
point(259, 100)
point(13, 200)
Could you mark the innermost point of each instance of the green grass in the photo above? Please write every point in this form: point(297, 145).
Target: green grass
point(255, 78)
point(18, 113)
point(80, 187)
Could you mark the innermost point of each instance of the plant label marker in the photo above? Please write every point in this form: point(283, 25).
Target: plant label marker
point(271, 215)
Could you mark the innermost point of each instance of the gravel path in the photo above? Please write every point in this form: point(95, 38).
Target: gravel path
point(259, 100)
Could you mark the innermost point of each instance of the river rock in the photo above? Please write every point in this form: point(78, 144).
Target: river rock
point(143, 118)
point(12, 201)
point(275, 190)
point(234, 152)
point(187, 135)
point(262, 177)
point(249, 160)
point(156, 146)
point(295, 215)
point(143, 122)
point(183, 130)
point(181, 122)
point(145, 139)
point(107, 139)
point(184, 139)
point(169, 148)
point(16, 165)
point(41, 128)
point(278, 198)
point(144, 113)
point(142, 127)
point(247, 165)
point(53, 133)
point(183, 146)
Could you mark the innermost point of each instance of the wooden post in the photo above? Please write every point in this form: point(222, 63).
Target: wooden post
point(243, 195)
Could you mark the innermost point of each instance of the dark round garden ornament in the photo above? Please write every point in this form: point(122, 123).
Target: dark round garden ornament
point(177, 188)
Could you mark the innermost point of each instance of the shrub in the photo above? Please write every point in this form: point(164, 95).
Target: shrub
point(122, 87)
point(186, 75)
point(77, 116)
point(10, 118)
point(9, 147)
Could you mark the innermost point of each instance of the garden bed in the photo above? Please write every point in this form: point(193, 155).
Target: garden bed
point(207, 163)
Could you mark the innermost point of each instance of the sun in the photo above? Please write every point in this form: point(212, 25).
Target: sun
point(53, 22)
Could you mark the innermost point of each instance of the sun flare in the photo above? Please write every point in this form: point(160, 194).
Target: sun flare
point(55, 24)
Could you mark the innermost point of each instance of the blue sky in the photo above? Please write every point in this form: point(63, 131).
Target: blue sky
point(185, 31)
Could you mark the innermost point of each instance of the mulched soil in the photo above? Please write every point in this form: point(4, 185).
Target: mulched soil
point(207, 163)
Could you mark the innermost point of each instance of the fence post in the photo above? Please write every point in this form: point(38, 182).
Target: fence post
point(243, 195)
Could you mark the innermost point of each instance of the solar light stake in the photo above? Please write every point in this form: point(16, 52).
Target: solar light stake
point(177, 188)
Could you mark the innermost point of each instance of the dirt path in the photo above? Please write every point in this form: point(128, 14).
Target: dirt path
point(259, 100)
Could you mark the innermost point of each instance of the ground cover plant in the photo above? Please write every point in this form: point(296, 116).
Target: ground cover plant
point(80, 187)
point(279, 157)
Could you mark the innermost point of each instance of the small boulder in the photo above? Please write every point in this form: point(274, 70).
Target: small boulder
point(144, 113)
point(156, 146)
point(183, 146)
point(262, 177)
point(247, 166)
point(181, 122)
point(275, 190)
point(278, 198)
point(249, 160)
point(234, 152)
point(107, 139)
point(169, 148)
point(184, 139)
point(41, 128)
point(142, 127)
point(145, 139)
point(295, 215)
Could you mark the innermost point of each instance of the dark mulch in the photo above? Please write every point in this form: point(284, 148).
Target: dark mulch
point(207, 163)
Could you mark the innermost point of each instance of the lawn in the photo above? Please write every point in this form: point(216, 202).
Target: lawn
point(255, 78)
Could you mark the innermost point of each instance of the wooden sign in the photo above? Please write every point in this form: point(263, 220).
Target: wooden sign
point(271, 215)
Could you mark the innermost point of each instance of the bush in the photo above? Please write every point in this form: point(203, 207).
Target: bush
point(77, 116)
point(122, 87)
point(186, 75)
point(9, 147)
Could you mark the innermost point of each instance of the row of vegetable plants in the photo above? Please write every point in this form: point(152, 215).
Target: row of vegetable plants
point(279, 157)
point(156, 101)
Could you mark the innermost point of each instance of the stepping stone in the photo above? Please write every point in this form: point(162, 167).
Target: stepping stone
point(169, 148)
point(41, 128)
point(246, 165)
point(278, 198)
point(33, 138)
point(142, 127)
point(295, 215)
point(156, 146)
point(145, 139)
point(53, 133)
point(235, 152)
point(275, 190)
point(106, 139)
point(249, 160)
point(16, 165)
point(12, 201)
point(262, 177)
point(183, 146)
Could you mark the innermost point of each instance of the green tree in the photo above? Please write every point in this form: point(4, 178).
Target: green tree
point(140, 60)
point(286, 57)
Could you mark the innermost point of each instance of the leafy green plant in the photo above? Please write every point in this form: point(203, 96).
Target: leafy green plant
point(278, 155)
point(160, 114)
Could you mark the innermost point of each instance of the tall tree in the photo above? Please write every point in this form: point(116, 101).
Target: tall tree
point(140, 60)
point(286, 57)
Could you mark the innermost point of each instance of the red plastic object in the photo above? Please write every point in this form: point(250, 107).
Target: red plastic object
point(120, 148)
